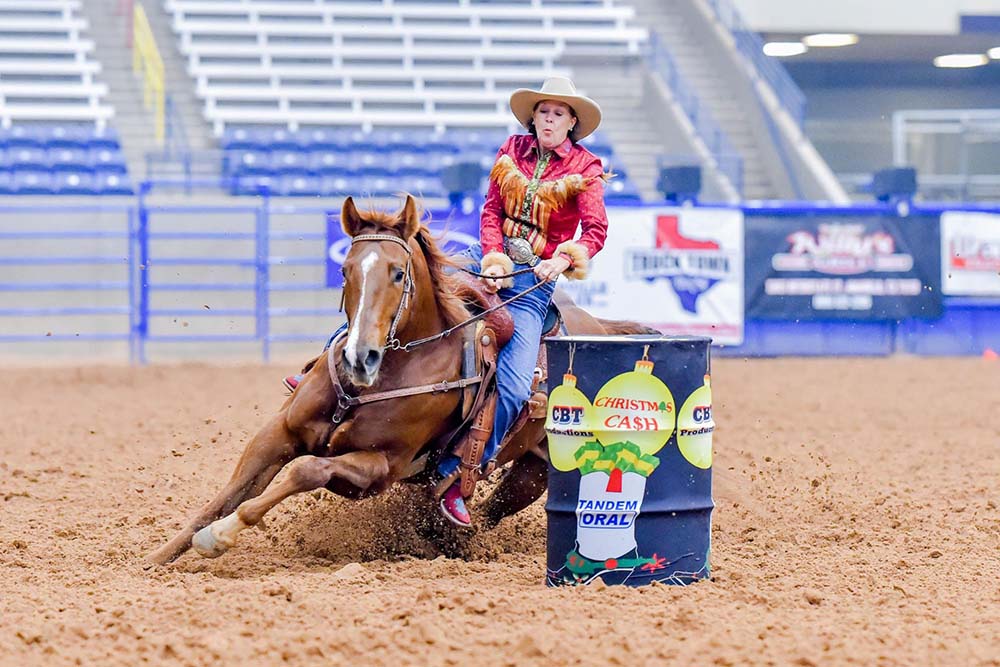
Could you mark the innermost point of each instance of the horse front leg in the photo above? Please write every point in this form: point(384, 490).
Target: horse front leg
point(362, 471)
point(263, 458)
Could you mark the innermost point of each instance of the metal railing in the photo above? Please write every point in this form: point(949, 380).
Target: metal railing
point(751, 46)
point(727, 158)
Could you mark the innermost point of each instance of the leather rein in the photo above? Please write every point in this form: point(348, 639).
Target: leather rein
point(345, 401)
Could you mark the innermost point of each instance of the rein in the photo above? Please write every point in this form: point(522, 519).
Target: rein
point(391, 341)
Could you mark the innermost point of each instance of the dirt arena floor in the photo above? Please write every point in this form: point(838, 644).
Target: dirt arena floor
point(857, 523)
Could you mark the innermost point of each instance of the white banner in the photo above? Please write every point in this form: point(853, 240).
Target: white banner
point(970, 253)
point(678, 270)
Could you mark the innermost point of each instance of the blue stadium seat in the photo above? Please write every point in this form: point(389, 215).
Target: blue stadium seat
point(249, 162)
point(301, 184)
point(280, 139)
point(424, 186)
point(329, 161)
point(106, 139)
point(441, 142)
point(317, 139)
point(354, 140)
point(369, 163)
point(479, 139)
point(26, 157)
point(240, 138)
point(287, 161)
point(32, 182)
point(621, 190)
point(408, 163)
point(334, 185)
point(598, 144)
point(113, 183)
point(6, 182)
point(69, 158)
point(76, 182)
point(68, 136)
point(251, 184)
point(25, 136)
point(378, 186)
point(107, 159)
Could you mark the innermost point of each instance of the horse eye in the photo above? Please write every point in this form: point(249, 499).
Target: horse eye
point(399, 276)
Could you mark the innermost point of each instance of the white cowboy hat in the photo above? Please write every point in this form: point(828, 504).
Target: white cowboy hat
point(561, 89)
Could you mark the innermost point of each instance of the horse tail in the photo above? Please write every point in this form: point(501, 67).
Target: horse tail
point(623, 327)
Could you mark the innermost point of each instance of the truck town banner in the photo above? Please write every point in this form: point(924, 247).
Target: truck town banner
point(843, 267)
point(678, 270)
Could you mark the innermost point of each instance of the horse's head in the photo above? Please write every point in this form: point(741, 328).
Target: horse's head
point(378, 284)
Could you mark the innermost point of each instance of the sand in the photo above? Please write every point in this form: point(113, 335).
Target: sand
point(858, 522)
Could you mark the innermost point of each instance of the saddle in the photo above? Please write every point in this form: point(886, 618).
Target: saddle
point(480, 350)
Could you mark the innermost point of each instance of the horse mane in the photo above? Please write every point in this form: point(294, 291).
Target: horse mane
point(449, 290)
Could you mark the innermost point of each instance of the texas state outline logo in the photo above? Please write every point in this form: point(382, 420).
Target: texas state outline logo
point(691, 266)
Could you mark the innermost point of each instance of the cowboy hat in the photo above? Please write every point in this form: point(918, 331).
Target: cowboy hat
point(560, 89)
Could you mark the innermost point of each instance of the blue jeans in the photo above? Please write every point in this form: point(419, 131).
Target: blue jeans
point(516, 362)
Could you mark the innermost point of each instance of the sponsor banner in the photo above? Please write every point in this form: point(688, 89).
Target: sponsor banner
point(677, 270)
point(843, 267)
point(970, 253)
point(458, 232)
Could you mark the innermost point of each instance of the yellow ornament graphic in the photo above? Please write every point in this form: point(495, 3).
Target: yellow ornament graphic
point(635, 407)
point(695, 426)
point(568, 423)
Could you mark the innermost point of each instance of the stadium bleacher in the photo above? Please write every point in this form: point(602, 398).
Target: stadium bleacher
point(62, 159)
point(378, 162)
point(383, 62)
point(54, 132)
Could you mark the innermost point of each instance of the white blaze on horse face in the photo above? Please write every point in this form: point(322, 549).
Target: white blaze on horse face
point(352, 340)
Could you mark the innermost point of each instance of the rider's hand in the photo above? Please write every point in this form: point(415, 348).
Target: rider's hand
point(550, 269)
point(493, 284)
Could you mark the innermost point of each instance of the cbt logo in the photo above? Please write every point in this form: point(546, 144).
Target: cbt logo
point(692, 266)
point(702, 414)
point(567, 415)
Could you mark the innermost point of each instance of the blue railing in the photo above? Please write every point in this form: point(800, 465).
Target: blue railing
point(101, 286)
point(726, 156)
point(751, 46)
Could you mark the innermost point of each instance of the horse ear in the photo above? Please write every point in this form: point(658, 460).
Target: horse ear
point(411, 217)
point(350, 219)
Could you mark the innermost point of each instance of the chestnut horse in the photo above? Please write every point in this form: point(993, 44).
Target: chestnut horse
point(398, 287)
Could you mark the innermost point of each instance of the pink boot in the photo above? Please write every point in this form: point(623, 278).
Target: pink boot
point(453, 506)
point(291, 382)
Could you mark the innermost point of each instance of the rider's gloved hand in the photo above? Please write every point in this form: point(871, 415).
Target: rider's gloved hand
point(493, 284)
point(550, 269)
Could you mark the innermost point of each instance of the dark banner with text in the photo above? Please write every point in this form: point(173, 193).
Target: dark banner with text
point(843, 267)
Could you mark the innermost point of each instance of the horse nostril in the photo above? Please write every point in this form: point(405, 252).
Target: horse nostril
point(372, 359)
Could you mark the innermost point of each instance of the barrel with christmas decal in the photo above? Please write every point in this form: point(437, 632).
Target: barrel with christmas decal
point(630, 448)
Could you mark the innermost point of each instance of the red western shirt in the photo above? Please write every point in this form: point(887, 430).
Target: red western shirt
point(586, 210)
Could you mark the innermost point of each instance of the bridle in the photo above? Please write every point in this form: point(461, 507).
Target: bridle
point(391, 341)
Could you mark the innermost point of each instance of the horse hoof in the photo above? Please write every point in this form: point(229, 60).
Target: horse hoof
point(206, 544)
point(218, 537)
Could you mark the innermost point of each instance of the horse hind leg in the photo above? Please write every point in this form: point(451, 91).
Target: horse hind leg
point(262, 459)
point(364, 471)
point(521, 485)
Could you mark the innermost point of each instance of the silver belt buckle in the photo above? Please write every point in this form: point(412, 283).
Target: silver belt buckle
point(520, 251)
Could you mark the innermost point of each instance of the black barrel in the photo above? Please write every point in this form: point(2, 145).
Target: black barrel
point(630, 447)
